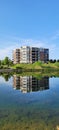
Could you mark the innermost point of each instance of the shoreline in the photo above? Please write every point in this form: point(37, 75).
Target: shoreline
point(28, 70)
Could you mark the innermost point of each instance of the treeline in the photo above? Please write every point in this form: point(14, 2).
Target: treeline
point(53, 61)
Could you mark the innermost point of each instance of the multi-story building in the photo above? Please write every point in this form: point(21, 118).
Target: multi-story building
point(34, 54)
point(28, 54)
point(25, 54)
point(44, 54)
point(16, 56)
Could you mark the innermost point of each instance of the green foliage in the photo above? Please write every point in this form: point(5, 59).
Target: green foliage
point(52, 61)
point(39, 63)
point(6, 61)
point(57, 64)
point(0, 62)
point(37, 66)
point(1, 67)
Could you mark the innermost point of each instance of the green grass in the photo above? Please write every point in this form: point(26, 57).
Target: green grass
point(33, 67)
point(37, 65)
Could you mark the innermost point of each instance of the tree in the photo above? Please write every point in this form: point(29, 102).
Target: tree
point(58, 60)
point(51, 61)
point(0, 62)
point(6, 61)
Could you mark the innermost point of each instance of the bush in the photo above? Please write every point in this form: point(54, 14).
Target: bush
point(1, 67)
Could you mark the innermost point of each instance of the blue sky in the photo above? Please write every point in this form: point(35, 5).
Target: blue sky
point(29, 22)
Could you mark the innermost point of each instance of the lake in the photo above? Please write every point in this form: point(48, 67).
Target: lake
point(29, 103)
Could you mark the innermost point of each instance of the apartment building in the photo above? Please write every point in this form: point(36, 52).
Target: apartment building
point(44, 54)
point(25, 54)
point(28, 54)
point(34, 54)
point(16, 56)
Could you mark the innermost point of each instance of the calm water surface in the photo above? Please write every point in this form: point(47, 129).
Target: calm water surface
point(27, 103)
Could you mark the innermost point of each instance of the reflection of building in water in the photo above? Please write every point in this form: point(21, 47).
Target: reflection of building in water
point(30, 83)
point(16, 82)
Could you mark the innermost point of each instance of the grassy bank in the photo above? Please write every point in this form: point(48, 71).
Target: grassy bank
point(37, 66)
